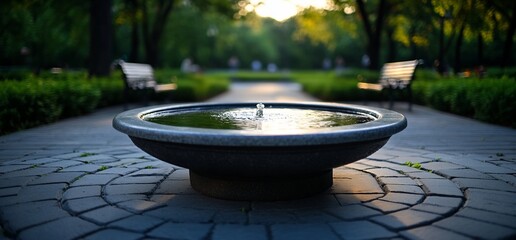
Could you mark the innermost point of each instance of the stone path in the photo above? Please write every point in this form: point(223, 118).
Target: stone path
point(282, 92)
point(79, 178)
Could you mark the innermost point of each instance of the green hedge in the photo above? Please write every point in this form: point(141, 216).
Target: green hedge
point(193, 87)
point(34, 101)
point(111, 90)
point(487, 99)
point(25, 104)
point(47, 98)
point(329, 86)
point(252, 76)
point(199, 87)
point(494, 72)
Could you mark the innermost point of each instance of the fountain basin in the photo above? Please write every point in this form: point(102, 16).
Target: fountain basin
point(259, 164)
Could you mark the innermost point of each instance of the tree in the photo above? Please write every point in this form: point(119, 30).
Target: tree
point(373, 30)
point(153, 28)
point(155, 17)
point(42, 34)
point(508, 11)
point(509, 40)
point(313, 25)
point(470, 22)
point(101, 38)
point(134, 53)
point(408, 32)
point(15, 38)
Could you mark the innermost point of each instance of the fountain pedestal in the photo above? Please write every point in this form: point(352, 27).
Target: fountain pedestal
point(261, 189)
point(260, 173)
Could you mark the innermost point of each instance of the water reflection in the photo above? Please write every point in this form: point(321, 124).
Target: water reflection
point(264, 119)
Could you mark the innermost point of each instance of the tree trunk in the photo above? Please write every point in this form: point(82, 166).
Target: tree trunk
point(412, 45)
point(440, 58)
point(135, 37)
point(507, 48)
point(375, 54)
point(373, 34)
point(152, 34)
point(391, 55)
point(480, 49)
point(458, 45)
point(101, 38)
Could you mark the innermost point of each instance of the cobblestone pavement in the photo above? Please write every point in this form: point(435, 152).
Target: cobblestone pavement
point(79, 178)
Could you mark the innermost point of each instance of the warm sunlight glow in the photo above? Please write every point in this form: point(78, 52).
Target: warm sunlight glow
point(281, 10)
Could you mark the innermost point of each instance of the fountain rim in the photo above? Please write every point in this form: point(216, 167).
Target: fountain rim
point(387, 123)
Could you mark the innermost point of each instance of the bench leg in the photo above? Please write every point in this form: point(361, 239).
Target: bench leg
point(168, 99)
point(362, 96)
point(391, 98)
point(146, 97)
point(409, 93)
point(126, 98)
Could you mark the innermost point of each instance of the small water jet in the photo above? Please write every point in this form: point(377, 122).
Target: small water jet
point(259, 111)
point(272, 152)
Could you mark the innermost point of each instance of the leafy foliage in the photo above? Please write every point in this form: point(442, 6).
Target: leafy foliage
point(415, 165)
point(486, 99)
point(44, 34)
point(490, 100)
point(49, 97)
point(24, 104)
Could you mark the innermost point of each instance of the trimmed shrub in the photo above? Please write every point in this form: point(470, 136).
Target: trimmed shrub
point(329, 86)
point(193, 87)
point(35, 101)
point(77, 97)
point(501, 72)
point(27, 104)
point(493, 101)
point(111, 90)
point(490, 100)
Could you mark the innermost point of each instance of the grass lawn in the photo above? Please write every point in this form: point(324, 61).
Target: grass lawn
point(490, 99)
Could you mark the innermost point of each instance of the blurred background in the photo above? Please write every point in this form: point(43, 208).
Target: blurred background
point(292, 34)
point(57, 57)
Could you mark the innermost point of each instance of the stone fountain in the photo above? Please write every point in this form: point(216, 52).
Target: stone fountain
point(266, 151)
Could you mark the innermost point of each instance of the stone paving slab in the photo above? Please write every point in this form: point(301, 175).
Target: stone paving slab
point(237, 231)
point(81, 179)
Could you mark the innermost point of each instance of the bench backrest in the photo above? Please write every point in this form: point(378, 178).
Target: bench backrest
point(137, 75)
point(398, 74)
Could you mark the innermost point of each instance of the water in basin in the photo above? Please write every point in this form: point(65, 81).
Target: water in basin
point(261, 118)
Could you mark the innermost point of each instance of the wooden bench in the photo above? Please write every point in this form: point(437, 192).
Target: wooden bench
point(140, 77)
point(394, 76)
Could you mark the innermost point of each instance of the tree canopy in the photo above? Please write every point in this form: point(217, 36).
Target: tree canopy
point(460, 34)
